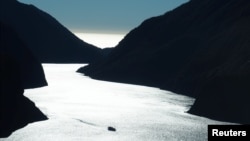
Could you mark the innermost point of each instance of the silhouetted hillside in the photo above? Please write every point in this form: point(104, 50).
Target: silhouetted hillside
point(45, 36)
point(18, 70)
point(31, 71)
point(184, 51)
point(225, 98)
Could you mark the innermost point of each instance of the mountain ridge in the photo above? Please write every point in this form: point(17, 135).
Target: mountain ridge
point(19, 70)
point(185, 51)
point(49, 41)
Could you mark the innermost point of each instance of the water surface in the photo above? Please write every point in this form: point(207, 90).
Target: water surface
point(81, 109)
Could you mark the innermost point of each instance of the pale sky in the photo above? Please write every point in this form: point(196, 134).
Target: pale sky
point(104, 16)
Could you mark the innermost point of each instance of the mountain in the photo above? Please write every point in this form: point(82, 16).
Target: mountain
point(19, 70)
point(190, 50)
point(49, 41)
point(31, 71)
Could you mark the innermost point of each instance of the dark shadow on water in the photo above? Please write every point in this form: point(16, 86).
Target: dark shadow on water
point(92, 124)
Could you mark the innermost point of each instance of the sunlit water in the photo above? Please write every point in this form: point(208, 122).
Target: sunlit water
point(81, 109)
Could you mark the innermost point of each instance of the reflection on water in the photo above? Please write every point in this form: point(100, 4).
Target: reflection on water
point(80, 108)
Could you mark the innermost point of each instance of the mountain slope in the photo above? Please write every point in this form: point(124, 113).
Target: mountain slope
point(184, 51)
point(19, 70)
point(45, 36)
point(31, 71)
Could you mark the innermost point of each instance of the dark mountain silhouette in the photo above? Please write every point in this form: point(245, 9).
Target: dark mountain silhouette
point(191, 50)
point(31, 71)
point(225, 98)
point(50, 41)
point(18, 70)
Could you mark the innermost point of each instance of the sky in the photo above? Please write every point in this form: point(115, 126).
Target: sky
point(104, 16)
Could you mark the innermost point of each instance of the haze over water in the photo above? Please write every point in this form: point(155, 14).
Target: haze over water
point(80, 108)
point(101, 40)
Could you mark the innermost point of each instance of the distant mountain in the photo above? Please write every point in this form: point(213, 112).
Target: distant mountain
point(19, 70)
point(50, 41)
point(193, 50)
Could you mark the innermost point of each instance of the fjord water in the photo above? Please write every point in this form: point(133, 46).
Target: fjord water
point(80, 108)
